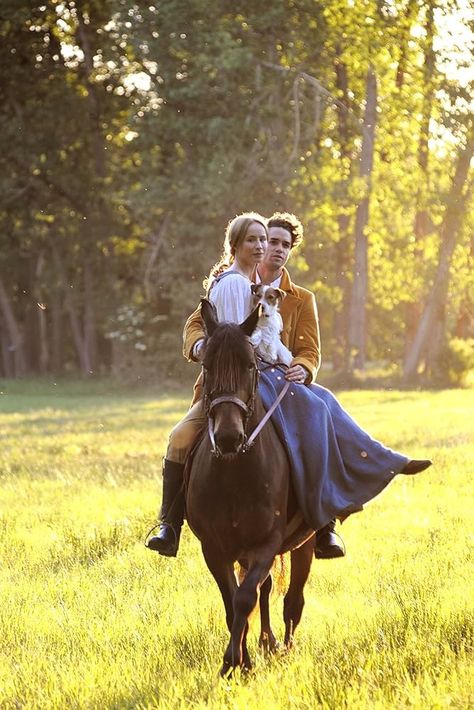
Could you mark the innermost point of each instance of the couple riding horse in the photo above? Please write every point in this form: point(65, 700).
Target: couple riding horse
point(335, 466)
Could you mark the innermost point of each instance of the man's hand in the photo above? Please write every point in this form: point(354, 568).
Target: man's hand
point(296, 373)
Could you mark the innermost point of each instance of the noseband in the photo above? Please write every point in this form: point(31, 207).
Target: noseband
point(247, 408)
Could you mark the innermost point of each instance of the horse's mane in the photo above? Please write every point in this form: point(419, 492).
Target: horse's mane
point(226, 358)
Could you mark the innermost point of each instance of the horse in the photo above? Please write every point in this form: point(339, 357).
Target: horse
point(239, 498)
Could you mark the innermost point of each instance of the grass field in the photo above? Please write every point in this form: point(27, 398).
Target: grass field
point(91, 619)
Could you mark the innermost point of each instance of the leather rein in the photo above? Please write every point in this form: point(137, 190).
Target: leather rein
point(246, 407)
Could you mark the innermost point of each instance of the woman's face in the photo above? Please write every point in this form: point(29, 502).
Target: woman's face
point(251, 248)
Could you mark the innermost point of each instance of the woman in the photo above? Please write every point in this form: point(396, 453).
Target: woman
point(336, 466)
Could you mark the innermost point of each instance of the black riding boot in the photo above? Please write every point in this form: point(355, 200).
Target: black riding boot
point(327, 545)
point(172, 511)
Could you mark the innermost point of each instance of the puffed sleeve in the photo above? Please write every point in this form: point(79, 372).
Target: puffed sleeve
point(232, 298)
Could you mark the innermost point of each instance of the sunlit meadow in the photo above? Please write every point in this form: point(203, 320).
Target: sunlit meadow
point(90, 618)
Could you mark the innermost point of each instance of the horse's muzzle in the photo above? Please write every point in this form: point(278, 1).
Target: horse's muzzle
point(229, 443)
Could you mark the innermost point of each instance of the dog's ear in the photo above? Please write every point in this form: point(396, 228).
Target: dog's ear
point(257, 289)
point(250, 323)
point(281, 293)
point(209, 316)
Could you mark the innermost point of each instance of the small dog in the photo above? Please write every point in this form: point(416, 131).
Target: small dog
point(266, 336)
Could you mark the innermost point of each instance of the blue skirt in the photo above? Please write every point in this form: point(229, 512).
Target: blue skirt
point(336, 465)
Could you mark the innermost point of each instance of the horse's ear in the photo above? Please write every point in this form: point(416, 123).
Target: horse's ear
point(249, 324)
point(209, 316)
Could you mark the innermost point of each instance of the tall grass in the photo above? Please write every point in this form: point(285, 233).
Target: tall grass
point(91, 619)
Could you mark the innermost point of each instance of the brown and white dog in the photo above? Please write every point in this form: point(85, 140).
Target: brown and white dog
point(266, 336)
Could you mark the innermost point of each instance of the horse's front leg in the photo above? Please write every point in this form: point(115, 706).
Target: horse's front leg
point(223, 572)
point(267, 639)
point(245, 599)
point(293, 604)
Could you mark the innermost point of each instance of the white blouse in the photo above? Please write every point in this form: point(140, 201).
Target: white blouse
point(232, 297)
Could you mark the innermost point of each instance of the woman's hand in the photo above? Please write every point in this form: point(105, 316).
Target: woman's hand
point(296, 373)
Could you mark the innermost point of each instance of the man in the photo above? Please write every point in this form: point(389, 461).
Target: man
point(300, 334)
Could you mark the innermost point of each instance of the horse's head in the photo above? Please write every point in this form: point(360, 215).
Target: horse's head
point(230, 380)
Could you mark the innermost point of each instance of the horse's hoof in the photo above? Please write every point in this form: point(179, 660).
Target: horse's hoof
point(269, 645)
point(227, 670)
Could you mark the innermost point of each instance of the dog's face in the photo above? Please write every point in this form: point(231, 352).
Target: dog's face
point(268, 296)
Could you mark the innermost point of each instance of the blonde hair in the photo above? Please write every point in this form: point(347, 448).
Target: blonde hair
point(234, 234)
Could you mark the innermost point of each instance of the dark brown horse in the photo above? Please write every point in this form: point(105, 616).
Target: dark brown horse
point(239, 500)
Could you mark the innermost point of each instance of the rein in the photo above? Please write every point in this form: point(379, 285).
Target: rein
point(265, 419)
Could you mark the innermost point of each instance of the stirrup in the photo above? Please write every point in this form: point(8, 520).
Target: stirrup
point(158, 525)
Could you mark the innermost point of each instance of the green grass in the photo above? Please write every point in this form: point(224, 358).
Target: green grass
point(91, 619)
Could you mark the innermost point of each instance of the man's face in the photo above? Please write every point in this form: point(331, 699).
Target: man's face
point(279, 247)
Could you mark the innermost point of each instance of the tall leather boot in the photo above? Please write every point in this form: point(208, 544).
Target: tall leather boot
point(166, 542)
point(327, 545)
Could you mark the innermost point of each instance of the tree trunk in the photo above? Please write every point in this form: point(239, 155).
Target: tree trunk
point(74, 319)
point(15, 335)
point(56, 331)
point(89, 315)
point(437, 334)
point(422, 222)
point(97, 206)
point(7, 360)
point(341, 354)
point(42, 356)
point(358, 316)
point(455, 209)
point(465, 318)
point(340, 323)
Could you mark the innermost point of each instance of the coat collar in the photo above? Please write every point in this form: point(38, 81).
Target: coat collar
point(287, 284)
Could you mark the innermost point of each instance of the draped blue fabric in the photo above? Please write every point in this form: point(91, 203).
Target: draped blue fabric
point(336, 465)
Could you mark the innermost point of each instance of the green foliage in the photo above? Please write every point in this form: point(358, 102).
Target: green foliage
point(130, 135)
point(455, 363)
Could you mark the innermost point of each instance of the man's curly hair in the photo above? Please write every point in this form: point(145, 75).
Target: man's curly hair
point(291, 223)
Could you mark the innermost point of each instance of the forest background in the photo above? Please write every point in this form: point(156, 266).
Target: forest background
point(130, 133)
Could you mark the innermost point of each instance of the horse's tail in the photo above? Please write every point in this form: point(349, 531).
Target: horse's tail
point(280, 569)
point(279, 573)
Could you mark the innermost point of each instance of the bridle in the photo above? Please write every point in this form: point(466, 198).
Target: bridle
point(247, 408)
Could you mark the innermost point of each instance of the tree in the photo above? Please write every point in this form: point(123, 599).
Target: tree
point(433, 315)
